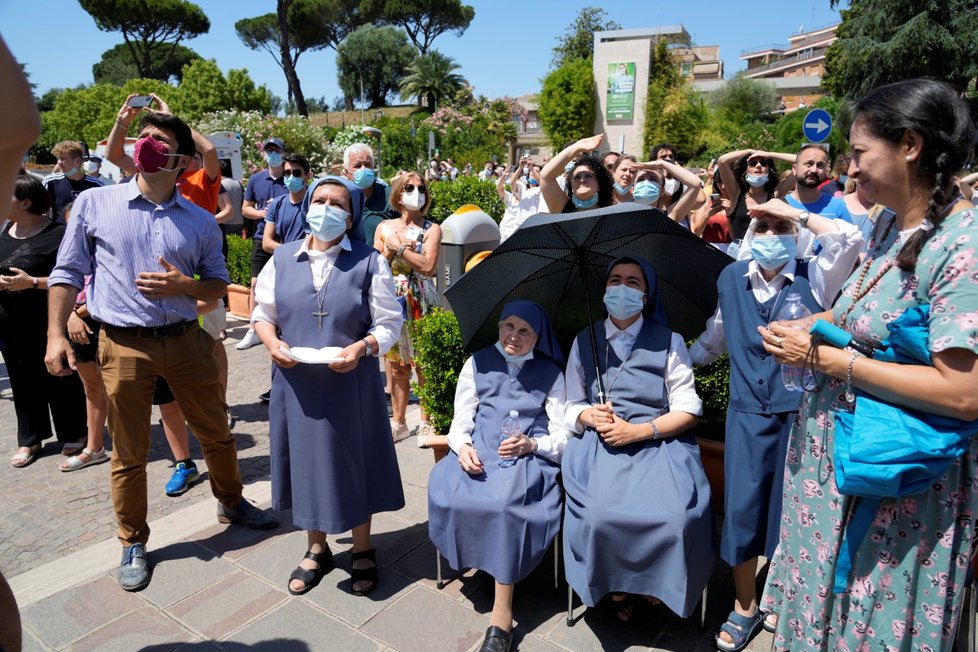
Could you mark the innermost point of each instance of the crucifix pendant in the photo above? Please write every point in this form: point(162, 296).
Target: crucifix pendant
point(320, 313)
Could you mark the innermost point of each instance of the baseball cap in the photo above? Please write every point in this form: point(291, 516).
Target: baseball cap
point(274, 141)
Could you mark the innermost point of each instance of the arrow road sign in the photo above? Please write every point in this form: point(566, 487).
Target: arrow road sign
point(817, 125)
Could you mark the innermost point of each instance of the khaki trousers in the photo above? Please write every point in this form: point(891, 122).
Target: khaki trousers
point(130, 364)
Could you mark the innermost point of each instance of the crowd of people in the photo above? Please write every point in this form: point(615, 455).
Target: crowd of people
point(110, 301)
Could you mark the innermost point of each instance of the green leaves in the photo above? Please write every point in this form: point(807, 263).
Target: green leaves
point(423, 20)
point(377, 55)
point(431, 77)
point(448, 196)
point(577, 44)
point(438, 353)
point(566, 104)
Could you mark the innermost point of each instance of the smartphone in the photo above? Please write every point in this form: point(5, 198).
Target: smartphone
point(715, 196)
point(141, 101)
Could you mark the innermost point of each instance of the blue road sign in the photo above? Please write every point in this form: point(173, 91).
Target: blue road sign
point(817, 125)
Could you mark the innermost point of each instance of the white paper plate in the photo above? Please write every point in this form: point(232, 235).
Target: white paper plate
point(309, 355)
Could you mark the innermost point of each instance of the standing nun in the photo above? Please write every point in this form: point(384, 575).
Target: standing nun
point(332, 457)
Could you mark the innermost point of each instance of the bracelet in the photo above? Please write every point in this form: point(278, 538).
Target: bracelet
point(368, 350)
point(655, 429)
point(534, 445)
point(34, 282)
point(850, 396)
point(119, 124)
point(400, 252)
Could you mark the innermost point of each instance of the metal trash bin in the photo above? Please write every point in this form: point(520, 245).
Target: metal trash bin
point(464, 233)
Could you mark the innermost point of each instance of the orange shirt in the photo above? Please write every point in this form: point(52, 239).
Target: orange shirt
point(196, 187)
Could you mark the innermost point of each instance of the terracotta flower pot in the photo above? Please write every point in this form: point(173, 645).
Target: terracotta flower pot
point(238, 301)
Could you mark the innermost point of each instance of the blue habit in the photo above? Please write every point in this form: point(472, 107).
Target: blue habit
point(637, 518)
point(332, 456)
point(503, 521)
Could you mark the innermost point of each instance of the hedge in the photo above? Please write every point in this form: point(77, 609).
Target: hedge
point(239, 260)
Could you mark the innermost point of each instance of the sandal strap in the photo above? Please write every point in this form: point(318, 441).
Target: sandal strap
point(740, 628)
point(304, 575)
point(321, 558)
point(370, 554)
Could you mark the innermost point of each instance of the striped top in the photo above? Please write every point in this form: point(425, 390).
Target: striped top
point(115, 233)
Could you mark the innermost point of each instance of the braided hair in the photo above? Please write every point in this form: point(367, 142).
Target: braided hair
point(936, 112)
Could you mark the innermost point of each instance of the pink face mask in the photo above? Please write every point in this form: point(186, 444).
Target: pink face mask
point(151, 155)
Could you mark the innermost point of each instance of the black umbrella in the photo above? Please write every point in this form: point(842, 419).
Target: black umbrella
point(560, 261)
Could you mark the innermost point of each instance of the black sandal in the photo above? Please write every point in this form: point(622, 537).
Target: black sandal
point(311, 577)
point(623, 608)
point(364, 574)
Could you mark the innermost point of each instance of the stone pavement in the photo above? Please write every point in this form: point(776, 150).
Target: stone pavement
point(224, 588)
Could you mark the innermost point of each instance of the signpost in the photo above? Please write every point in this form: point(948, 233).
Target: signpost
point(817, 125)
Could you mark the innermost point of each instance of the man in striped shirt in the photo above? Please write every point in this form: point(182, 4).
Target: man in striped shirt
point(147, 243)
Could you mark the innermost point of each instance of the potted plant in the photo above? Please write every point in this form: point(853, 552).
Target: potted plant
point(438, 352)
point(712, 385)
point(239, 269)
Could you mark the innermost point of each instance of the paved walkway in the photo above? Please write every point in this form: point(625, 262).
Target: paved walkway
point(224, 588)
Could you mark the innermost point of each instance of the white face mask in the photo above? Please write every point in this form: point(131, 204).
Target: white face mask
point(89, 167)
point(672, 185)
point(413, 200)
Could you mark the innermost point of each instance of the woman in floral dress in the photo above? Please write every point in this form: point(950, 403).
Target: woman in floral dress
point(905, 587)
point(410, 243)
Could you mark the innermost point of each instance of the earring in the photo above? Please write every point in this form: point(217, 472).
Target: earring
point(909, 158)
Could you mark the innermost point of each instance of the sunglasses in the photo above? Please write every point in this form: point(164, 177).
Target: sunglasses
point(756, 161)
point(293, 173)
point(583, 176)
point(410, 187)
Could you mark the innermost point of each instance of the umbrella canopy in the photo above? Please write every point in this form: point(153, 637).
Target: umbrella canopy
point(560, 261)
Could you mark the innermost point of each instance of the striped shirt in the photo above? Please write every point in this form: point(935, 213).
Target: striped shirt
point(115, 233)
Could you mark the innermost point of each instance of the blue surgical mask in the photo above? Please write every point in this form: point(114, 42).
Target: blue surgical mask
point(646, 192)
point(843, 178)
point(623, 190)
point(756, 180)
point(585, 203)
point(326, 223)
point(516, 359)
point(73, 171)
point(623, 302)
point(294, 184)
point(274, 159)
point(364, 177)
point(773, 251)
point(534, 182)
point(569, 167)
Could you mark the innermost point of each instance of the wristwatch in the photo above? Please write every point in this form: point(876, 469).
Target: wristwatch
point(368, 350)
point(803, 218)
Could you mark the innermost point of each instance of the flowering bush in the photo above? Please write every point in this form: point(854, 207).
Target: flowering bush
point(344, 138)
point(447, 120)
point(254, 128)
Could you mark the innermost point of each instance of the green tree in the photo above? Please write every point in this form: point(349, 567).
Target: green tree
point(205, 89)
point(741, 101)
point(298, 26)
point(116, 66)
point(377, 55)
point(151, 29)
point(423, 20)
point(673, 112)
point(431, 77)
point(566, 105)
point(882, 41)
point(577, 43)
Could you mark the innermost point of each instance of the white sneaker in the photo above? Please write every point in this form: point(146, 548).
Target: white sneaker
point(400, 431)
point(249, 340)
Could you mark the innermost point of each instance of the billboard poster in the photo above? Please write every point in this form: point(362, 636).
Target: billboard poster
point(621, 91)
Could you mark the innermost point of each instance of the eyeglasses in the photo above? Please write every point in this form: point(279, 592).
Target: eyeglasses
point(583, 176)
point(293, 173)
point(779, 227)
point(410, 187)
point(756, 161)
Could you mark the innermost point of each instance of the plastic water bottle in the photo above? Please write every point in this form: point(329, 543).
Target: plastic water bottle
point(509, 428)
point(795, 378)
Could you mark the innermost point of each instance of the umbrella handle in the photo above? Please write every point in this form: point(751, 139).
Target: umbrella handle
point(582, 268)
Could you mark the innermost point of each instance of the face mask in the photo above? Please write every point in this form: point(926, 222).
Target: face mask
point(413, 200)
point(326, 223)
point(569, 167)
point(89, 167)
point(585, 203)
point(514, 358)
point(772, 251)
point(623, 302)
point(434, 164)
point(843, 178)
point(274, 159)
point(295, 184)
point(526, 171)
point(364, 178)
point(646, 192)
point(150, 155)
point(756, 180)
point(622, 190)
point(672, 185)
point(534, 182)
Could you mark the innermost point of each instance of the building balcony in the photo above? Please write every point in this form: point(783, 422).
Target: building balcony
point(770, 47)
point(805, 57)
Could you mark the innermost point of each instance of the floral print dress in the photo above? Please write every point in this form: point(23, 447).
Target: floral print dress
point(905, 591)
point(416, 293)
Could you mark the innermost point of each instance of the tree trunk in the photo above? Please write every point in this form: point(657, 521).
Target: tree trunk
point(284, 52)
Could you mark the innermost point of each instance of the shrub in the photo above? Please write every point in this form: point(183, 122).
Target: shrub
point(713, 384)
point(438, 352)
point(239, 260)
point(448, 196)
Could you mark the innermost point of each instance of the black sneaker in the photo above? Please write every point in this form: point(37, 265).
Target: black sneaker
point(266, 397)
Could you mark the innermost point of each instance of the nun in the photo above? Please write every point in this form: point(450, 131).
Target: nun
point(494, 504)
point(325, 310)
point(637, 515)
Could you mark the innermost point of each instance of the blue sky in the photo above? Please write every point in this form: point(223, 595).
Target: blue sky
point(505, 51)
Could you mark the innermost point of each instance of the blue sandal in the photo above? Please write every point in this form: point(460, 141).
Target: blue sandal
point(741, 630)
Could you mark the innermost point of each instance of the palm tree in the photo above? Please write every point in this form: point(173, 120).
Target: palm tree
point(431, 77)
